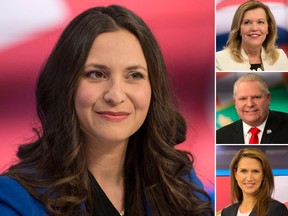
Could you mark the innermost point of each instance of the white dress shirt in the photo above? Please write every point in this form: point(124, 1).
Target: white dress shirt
point(247, 134)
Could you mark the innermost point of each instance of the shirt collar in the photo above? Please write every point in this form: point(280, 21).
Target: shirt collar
point(244, 55)
point(247, 127)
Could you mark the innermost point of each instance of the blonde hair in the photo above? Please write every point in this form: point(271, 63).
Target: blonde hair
point(234, 39)
point(251, 77)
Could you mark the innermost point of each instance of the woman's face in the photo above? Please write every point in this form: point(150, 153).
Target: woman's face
point(254, 28)
point(113, 93)
point(249, 175)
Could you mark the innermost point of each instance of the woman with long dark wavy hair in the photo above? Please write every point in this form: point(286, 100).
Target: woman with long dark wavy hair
point(108, 129)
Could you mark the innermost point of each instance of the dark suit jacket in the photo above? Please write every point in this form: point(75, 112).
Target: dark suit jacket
point(275, 208)
point(275, 131)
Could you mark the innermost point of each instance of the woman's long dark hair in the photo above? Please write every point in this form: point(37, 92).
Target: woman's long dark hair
point(53, 168)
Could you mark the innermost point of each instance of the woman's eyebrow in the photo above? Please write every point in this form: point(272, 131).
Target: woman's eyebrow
point(98, 66)
point(134, 67)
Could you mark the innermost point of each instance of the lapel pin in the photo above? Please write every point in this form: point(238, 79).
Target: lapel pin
point(269, 131)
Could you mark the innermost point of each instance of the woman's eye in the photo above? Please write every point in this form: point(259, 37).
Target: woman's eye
point(136, 76)
point(95, 75)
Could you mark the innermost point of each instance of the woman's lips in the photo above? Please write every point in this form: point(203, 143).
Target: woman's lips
point(113, 116)
point(254, 35)
point(249, 185)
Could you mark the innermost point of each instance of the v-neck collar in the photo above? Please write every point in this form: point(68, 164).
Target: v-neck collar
point(102, 206)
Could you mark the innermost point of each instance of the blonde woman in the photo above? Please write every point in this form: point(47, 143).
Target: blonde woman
point(251, 43)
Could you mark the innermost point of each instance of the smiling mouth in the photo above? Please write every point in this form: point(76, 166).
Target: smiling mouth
point(254, 35)
point(251, 111)
point(113, 116)
point(249, 185)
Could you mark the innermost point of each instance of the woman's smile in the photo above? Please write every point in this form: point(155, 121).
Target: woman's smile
point(113, 116)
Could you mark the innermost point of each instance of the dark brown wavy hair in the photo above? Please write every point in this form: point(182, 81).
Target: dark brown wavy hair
point(263, 195)
point(53, 168)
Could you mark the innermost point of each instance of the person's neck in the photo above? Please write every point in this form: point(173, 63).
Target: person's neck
point(253, 53)
point(247, 204)
point(106, 162)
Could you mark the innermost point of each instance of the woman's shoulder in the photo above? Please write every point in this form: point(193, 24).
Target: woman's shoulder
point(230, 210)
point(281, 52)
point(15, 200)
point(226, 62)
point(196, 181)
point(224, 52)
point(277, 207)
point(193, 178)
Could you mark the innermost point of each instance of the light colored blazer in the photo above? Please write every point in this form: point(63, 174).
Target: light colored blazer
point(224, 62)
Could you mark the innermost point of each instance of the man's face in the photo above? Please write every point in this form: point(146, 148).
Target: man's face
point(251, 103)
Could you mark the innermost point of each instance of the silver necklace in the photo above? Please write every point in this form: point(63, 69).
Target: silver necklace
point(122, 213)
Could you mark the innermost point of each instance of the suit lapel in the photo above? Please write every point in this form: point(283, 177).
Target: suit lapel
point(253, 212)
point(238, 136)
point(271, 125)
point(235, 209)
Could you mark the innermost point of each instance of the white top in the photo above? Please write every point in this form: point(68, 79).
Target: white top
point(239, 213)
point(247, 134)
point(243, 214)
point(224, 62)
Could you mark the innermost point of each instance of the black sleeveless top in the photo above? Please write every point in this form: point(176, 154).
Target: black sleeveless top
point(255, 66)
point(102, 206)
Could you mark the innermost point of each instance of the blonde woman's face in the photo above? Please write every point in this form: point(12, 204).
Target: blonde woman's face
point(254, 28)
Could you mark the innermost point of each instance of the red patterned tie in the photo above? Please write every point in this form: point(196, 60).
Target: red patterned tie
point(254, 137)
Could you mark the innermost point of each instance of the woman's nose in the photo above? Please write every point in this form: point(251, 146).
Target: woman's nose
point(114, 93)
point(254, 26)
point(249, 176)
